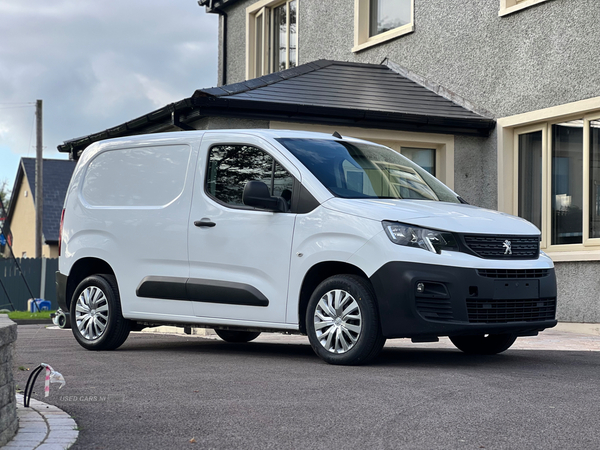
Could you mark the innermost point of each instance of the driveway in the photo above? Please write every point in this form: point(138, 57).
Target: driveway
point(166, 391)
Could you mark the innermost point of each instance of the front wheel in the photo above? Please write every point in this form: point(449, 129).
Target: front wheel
point(237, 336)
point(488, 344)
point(96, 318)
point(342, 321)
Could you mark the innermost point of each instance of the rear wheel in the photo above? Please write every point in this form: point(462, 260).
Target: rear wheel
point(342, 321)
point(484, 344)
point(237, 336)
point(96, 318)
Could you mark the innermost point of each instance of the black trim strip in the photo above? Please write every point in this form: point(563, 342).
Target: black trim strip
point(200, 290)
point(171, 288)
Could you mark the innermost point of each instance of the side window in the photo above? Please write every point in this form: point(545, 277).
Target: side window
point(230, 167)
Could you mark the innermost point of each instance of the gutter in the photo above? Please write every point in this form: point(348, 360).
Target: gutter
point(210, 8)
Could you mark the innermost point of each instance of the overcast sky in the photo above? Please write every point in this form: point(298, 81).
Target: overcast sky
point(95, 64)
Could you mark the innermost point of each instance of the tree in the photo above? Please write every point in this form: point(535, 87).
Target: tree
point(4, 201)
point(4, 197)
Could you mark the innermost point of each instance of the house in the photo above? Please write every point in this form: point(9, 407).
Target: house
point(500, 99)
point(20, 221)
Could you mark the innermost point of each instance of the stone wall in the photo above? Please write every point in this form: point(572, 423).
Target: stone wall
point(8, 404)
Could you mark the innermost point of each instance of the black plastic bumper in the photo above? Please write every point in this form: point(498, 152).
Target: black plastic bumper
point(61, 291)
point(422, 300)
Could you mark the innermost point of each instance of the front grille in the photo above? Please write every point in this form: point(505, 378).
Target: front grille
point(435, 309)
point(503, 247)
point(506, 311)
point(513, 273)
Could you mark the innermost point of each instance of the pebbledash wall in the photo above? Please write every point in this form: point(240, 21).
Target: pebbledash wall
point(534, 58)
point(9, 423)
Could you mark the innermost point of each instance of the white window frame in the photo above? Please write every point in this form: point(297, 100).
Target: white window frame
point(511, 6)
point(509, 129)
point(265, 8)
point(362, 40)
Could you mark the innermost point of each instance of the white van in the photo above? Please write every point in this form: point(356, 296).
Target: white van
point(246, 231)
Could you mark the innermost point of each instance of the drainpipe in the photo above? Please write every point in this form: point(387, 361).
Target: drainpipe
point(223, 14)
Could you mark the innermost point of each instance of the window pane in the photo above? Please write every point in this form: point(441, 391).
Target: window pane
point(293, 35)
point(530, 177)
point(356, 170)
point(259, 46)
point(279, 30)
point(232, 166)
point(595, 179)
point(567, 188)
point(386, 15)
point(425, 157)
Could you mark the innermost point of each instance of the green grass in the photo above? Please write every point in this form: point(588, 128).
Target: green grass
point(24, 315)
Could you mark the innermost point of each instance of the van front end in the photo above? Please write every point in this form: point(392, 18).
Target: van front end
point(442, 283)
point(422, 301)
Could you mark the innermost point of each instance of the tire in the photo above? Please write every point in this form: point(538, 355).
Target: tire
point(64, 320)
point(342, 321)
point(237, 336)
point(489, 344)
point(96, 318)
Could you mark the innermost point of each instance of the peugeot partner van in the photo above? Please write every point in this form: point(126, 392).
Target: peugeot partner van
point(250, 231)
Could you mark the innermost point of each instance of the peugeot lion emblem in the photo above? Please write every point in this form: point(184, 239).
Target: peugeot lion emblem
point(507, 247)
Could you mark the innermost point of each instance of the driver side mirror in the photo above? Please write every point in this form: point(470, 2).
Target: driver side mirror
point(257, 195)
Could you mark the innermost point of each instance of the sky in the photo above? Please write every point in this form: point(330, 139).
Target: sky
point(95, 64)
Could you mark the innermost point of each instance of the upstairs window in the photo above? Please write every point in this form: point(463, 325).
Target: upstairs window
point(511, 6)
point(272, 43)
point(377, 21)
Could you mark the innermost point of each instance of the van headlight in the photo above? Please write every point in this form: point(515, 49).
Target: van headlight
point(433, 240)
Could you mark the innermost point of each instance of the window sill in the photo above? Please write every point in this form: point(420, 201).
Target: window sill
point(504, 11)
point(384, 37)
point(574, 256)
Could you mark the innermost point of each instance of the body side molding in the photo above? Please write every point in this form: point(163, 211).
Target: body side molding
point(201, 290)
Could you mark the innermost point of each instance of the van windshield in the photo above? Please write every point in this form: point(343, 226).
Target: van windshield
point(357, 170)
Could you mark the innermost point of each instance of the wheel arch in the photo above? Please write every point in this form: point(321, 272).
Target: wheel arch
point(317, 274)
point(82, 269)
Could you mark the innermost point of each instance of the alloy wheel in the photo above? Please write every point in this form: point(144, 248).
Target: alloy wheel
point(338, 321)
point(91, 313)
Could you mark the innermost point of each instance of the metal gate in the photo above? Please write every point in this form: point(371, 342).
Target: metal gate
point(39, 273)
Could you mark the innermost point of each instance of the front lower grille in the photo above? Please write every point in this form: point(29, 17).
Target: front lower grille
point(513, 273)
point(512, 310)
point(435, 308)
point(503, 247)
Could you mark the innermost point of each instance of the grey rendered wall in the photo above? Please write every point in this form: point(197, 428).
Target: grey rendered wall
point(9, 423)
point(578, 291)
point(535, 58)
point(475, 174)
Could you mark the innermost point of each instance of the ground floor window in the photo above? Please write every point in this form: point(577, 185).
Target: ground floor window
point(424, 157)
point(555, 175)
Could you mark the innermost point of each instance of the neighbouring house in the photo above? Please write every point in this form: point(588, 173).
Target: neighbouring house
point(500, 99)
point(20, 220)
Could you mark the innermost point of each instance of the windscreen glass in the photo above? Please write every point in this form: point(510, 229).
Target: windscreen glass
point(357, 170)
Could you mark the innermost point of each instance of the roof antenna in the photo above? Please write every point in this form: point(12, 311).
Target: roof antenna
point(337, 135)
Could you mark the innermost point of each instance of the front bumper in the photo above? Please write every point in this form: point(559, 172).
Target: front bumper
point(460, 301)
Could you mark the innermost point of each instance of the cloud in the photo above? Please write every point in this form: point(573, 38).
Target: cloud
point(97, 64)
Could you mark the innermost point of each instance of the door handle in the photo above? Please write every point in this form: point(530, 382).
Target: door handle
point(204, 223)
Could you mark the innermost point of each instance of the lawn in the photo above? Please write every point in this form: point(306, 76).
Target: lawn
point(24, 315)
